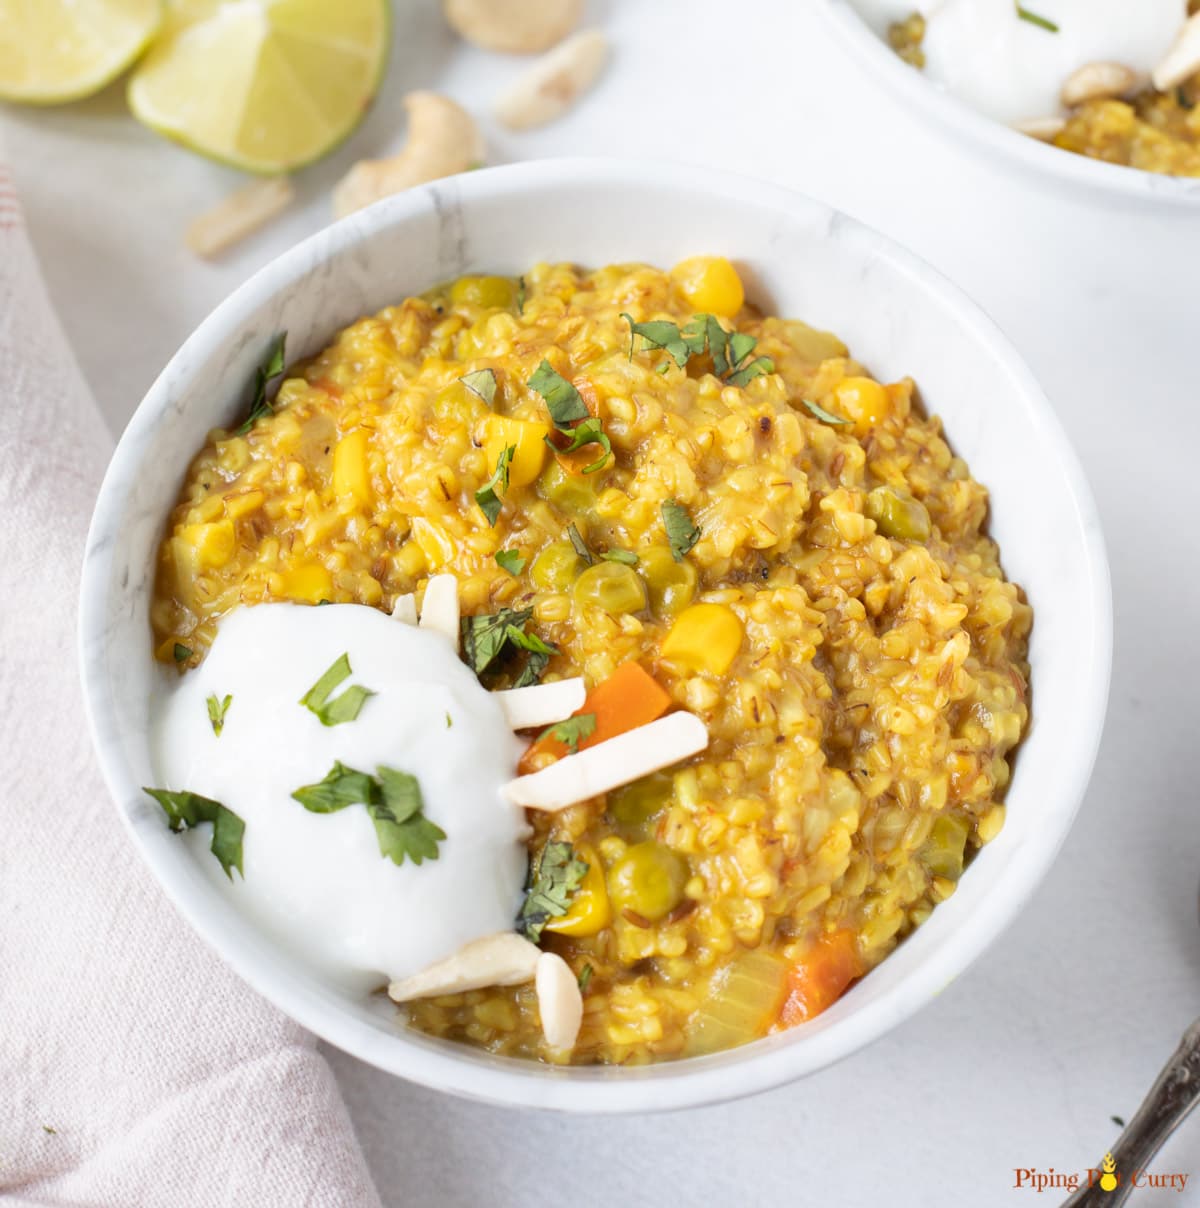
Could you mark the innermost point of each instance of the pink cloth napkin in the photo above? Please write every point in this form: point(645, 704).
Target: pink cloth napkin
point(135, 1070)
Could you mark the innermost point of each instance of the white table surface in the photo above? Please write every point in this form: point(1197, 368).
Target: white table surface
point(1064, 1023)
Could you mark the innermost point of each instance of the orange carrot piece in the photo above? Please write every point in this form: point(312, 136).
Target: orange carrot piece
point(629, 698)
point(821, 978)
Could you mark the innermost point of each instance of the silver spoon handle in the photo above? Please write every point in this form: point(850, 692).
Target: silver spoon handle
point(1175, 1092)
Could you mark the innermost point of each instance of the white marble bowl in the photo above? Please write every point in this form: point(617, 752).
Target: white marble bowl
point(1041, 165)
point(799, 258)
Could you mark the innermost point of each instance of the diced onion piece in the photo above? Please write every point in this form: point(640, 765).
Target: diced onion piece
point(504, 959)
point(405, 609)
point(560, 1002)
point(608, 765)
point(541, 704)
point(239, 215)
point(439, 609)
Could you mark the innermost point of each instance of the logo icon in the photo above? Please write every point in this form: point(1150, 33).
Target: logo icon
point(1108, 1177)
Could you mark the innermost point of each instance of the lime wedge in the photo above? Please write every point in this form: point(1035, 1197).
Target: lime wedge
point(265, 85)
point(53, 51)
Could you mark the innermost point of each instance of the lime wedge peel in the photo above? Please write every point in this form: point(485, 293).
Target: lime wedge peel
point(263, 85)
point(55, 51)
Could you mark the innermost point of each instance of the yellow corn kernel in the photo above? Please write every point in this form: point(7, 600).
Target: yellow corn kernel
point(435, 543)
point(705, 637)
point(309, 581)
point(237, 506)
point(710, 284)
point(862, 400)
point(528, 442)
point(589, 911)
point(351, 478)
point(212, 544)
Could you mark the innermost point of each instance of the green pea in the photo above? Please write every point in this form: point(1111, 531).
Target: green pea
point(897, 514)
point(556, 567)
point(632, 807)
point(648, 879)
point(943, 852)
point(671, 584)
point(574, 494)
point(611, 586)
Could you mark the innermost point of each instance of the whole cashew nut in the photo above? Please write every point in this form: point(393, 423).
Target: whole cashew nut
point(1098, 81)
point(442, 139)
point(552, 84)
point(517, 26)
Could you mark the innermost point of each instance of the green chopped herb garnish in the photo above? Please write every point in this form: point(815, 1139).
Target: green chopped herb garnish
point(728, 349)
point(756, 368)
point(449, 721)
point(585, 978)
point(483, 383)
point(625, 557)
point(488, 498)
point(181, 653)
point(187, 810)
point(394, 803)
point(520, 295)
point(563, 401)
point(554, 878)
point(579, 544)
point(539, 652)
point(489, 640)
point(819, 412)
point(511, 561)
point(681, 532)
point(589, 432)
point(47, 1129)
point(216, 712)
point(263, 375)
point(572, 731)
point(343, 708)
point(1034, 19)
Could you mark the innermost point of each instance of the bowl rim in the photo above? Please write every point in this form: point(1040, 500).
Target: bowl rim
point(1114, 183)
point(669, 1085)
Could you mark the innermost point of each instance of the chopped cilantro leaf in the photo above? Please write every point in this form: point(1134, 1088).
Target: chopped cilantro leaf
point(482, 383)
point(271, 368)
point(187, 810)
point(579, 544)
point(573, 730)
point(585, 978)
point(554, 878)
point(488, 498)
point(826, 417)
point(394, 804)
point(589, 432)
point(681, 532)
point(511, 561)
point(756, 368)
point(343, 708)
point(563, 401)
point(489, 640)
point(624, 556)
point(181, 653)
point(1034, 19)
point(216, 712)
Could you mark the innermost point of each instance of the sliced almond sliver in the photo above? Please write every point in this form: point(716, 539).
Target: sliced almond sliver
point(405, 609)
point(504, 959)
point(239, 215)
point(1044, 129)
point(541, 704)
point(560, 1002)
point(439, 608)
point(1098, 81)
point(1182, 60)
point(610, 764)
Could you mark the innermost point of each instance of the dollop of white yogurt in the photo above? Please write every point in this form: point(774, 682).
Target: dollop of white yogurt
point(317, 882)
point(1012, 70)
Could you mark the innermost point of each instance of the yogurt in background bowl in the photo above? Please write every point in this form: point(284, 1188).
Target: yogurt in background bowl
point(987, 69)
point(798, 257)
